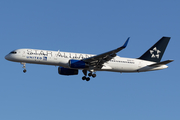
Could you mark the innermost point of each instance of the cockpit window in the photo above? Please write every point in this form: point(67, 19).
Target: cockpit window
point(13, 52)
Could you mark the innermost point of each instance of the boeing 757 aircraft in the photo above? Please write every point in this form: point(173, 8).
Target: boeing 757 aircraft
point(71, 63)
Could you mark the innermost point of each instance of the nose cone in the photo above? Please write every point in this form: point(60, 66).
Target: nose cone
point(7, 57)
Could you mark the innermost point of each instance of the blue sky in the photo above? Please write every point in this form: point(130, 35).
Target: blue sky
point(95, 27)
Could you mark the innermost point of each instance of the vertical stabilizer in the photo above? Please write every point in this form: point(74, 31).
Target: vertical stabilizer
point(156, 52)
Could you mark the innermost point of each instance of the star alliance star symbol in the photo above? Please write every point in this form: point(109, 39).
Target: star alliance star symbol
point(155, 52)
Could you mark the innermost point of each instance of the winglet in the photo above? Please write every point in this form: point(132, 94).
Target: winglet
point(125, 44)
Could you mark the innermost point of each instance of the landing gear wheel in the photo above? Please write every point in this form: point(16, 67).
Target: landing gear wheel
point(93, 75)
point(84, 78)
point(24, 70)
point(87, 79)
point(90, 74)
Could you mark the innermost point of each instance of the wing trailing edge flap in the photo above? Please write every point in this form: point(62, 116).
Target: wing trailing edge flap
point(161, 63)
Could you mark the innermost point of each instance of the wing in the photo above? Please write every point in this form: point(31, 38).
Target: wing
point(98, 60)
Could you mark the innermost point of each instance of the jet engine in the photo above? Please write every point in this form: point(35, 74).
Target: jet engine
point(77, 64)
point(67, 71)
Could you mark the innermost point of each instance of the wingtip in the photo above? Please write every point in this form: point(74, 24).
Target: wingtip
point(125, 44)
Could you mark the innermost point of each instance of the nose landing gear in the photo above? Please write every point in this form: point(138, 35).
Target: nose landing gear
point(24, 66)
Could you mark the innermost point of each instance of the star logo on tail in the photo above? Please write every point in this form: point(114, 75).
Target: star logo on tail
point(155, 53)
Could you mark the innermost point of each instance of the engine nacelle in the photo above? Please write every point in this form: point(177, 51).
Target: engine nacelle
point(77, 64)
point(67, 71)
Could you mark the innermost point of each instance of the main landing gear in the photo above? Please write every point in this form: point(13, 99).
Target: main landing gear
point(24, 66)
point(89, 74)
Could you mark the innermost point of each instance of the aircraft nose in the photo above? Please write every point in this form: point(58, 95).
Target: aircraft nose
point(7, 57)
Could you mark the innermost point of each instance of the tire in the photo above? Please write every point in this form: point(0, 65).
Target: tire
point(84, 78)
point(87, 79)
point(93, 75)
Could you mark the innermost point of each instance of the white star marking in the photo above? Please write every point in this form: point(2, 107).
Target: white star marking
point(155, 52)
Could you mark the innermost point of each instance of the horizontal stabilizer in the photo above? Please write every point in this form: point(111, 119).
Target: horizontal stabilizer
point(161, 63)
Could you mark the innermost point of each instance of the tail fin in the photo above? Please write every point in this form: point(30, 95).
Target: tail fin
point(156, 52)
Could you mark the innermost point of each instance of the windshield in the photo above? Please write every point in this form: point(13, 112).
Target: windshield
point(13, 52)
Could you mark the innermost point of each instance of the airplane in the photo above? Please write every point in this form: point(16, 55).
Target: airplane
point(70, 63)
